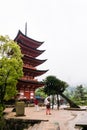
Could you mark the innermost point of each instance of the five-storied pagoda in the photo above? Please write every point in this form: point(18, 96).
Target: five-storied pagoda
point(28, 83)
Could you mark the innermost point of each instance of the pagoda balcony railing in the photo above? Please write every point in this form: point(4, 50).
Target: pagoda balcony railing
point(29, 66)
point(28, 78)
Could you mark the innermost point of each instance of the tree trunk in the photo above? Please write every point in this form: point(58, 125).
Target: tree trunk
point(71, 103)
point(52, 101)
point(58, 102)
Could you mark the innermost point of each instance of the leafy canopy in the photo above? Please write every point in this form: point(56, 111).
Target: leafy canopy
point(54, 85)
point(11, 67)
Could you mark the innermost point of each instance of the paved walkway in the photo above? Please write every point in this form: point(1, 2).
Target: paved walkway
point(65, 118)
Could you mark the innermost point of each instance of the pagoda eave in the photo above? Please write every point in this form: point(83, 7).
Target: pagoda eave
point(30, 60)
point(29, 41)
point(30, 51)
point(29, 83)
point(34, 72)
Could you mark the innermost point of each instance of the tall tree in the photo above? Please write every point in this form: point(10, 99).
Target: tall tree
point(50, 84)
point(54, 86)
point(49, 88)
point(60, 88)
point(11, 68)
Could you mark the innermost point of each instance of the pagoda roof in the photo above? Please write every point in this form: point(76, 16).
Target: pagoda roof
point(28, 41)
point(30, 83)
point(34, 72)
point(32, 61)
point(29, 50)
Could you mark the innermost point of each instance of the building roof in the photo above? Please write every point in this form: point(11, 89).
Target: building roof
point(30, 51)
point(28, 41)
point(33, 61)
point(34, 72)
point(29, 83)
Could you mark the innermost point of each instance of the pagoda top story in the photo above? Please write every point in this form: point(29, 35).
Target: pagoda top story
point(29, 42)
point(29, 45)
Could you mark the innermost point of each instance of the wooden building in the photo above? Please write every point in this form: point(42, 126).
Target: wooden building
point(28, 83)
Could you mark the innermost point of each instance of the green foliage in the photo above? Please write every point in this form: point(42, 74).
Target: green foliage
point(50, 84)
point(69, 93)
point(40, 92)
point(77, 94)
point(11, 68)
point(54, 86)
point(1, 110)
point(2, 123)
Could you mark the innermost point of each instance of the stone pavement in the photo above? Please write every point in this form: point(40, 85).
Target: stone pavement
point(64, 119)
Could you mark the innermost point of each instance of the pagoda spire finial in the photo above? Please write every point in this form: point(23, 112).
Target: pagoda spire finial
point(26, 28)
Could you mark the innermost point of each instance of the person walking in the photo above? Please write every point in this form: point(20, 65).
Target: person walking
point(36, 104)
point(47, 103)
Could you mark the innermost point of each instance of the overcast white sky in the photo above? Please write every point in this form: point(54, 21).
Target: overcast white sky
point(61, 24)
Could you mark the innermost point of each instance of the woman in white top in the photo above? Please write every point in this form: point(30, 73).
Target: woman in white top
point(47, 103)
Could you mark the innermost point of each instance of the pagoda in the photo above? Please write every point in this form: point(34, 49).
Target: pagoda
point(28, 83)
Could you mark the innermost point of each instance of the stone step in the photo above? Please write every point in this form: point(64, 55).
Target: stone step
point(51, 126)
point(30, 128)
point(37, 126)
point(41, 125)
point(45, 126)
